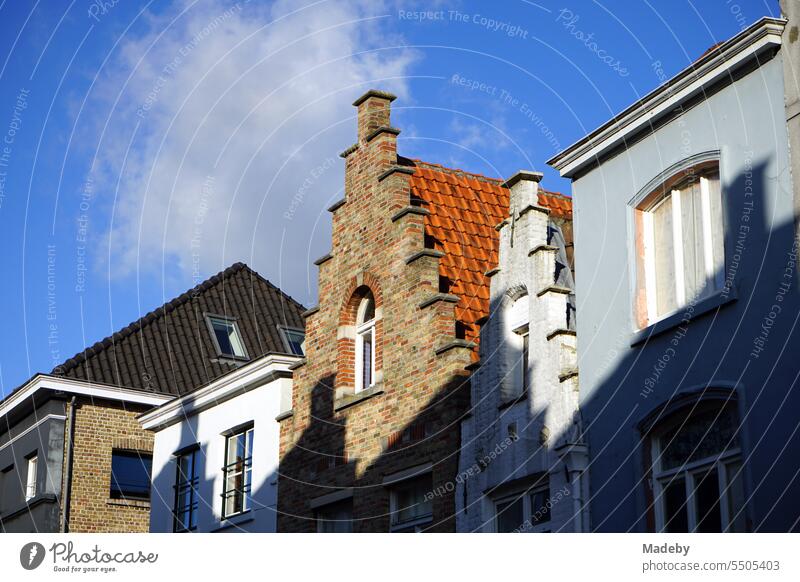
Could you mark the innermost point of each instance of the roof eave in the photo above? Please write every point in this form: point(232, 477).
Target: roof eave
point(745, 46)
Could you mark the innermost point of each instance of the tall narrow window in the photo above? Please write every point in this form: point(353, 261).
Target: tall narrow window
point(518, 344)
point(681, 246)
point(697, 472)
point(30, 487)
point(186, 481)
point(227, 338)
point(238, 472)
point(365, 343)
point(410, 505)
point(335, 517)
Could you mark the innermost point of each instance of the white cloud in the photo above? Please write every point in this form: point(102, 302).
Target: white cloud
point(239, 112)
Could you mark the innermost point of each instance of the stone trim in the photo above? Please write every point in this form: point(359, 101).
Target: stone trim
point(140, 503)
point(374, 93)
point(492, 272)
point(424, 253)
point(299, 364)
point(527, 175)
point(337, 205)
point(382, 129)
point(410, 210)
point(531, 207)
point(567, 375)
point(541, 248)
point(439, 297)
point(284, 415)
point(351, 399)
point(554, 289)
point(559, 332)
point(459, 343)
point(132, 444)
point(310, 311)
point(398, 169)
point(322, 259)
point(348, 151)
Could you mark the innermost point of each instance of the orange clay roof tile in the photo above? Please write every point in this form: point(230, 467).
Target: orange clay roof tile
point(464, 209)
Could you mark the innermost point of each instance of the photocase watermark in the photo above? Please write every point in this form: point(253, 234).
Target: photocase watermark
point(82, 234)
point(52, 308)
point(569, 20)
point(31, 555)
point(784, 288)
point(99, 8)
point(477, 19)
point(20, 105)
point(508, 99)
point(206, 193)
point(67, 559)
point(313, 177)
point(544, 510)
point(169, 70)
point(479, 465)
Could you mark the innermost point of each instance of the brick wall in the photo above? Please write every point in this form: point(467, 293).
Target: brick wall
point(335, 438)
point(100, 427)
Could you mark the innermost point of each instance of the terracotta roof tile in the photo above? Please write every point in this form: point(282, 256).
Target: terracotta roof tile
point(464, 209)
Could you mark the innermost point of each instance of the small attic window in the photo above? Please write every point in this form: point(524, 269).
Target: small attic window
point(226, 336)
point(294, 340)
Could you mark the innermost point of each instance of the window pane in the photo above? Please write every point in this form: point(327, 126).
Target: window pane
point(540, 513)
point(230, 344)
point(366, 358)
point(510, 515)
point(410, 501)
point(130, 475)
point(736, 514)
point(706, 502)
point(336, 518)
point(674, 503)
point(700, 436)
point(295, 340)
point(664, 254)
point(524, 363)
point(694, 268)
point(31, 484)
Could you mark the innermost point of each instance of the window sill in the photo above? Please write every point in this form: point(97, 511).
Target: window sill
point(128, 503)
point(352, 399)
point(236, 520)
point(684, 316)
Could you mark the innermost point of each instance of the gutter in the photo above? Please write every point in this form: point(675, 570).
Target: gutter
point(67, 493)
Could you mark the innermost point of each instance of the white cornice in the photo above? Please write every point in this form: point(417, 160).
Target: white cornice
point(83, 388)
point(762, 35)
point(255, 374)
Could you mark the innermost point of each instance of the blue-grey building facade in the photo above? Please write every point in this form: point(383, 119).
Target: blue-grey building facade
point(688, 301)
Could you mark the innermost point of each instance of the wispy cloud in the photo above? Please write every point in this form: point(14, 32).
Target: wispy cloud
point(226, 123)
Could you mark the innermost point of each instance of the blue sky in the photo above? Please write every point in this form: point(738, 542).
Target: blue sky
point(146, 146)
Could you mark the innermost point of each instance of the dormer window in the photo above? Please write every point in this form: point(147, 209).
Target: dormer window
point(294, 340)
point(226, 336)
point(365, 343)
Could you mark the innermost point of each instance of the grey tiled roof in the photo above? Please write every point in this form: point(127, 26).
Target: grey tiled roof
point(170, 350)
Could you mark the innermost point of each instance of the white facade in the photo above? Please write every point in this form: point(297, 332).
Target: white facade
point(525, 425)
point(250, 397)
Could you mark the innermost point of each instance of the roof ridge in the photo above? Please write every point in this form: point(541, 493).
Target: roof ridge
point(158, 312)
point(457, 171)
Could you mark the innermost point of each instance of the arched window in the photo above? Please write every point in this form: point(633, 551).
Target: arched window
point(518, 316)
point(697, 471)
point(365, 343)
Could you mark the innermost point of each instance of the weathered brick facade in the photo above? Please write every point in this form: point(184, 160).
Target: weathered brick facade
point(100, 427)
point(336, 439)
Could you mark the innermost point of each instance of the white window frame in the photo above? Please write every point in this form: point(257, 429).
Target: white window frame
point(210, 318)
point(286, 332)
point(689, 472)
point(367, 328)
point(527, 509)
point(246, 471)
point(648, 233)
point(30, 480)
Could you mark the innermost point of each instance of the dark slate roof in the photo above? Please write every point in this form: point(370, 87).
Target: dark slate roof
point(170, 350)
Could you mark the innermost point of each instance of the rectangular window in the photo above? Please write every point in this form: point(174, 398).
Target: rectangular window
point(410, 504)
point(294, 339)
point(227, 337)
point(186, 481)
point(681, 250)
point(130, 474)
point(237, 472)
point(336, 517)
point(524, 511)
point(30, 486)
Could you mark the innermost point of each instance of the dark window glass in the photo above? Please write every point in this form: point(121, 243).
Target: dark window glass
point(675, 511)
point(227, 336)
point(238, 470)
point(706, 498)
point(186, 482)
point(336, 517)
point(130, 475)
point(540, 512)
point(705, 434)
point(295, 340)
point(510, 515)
